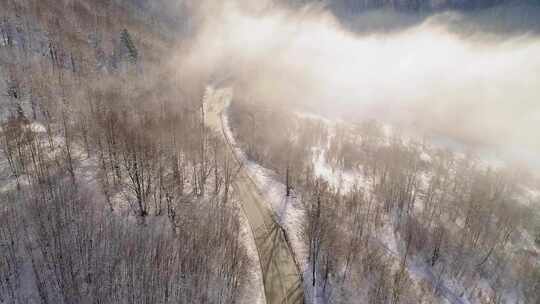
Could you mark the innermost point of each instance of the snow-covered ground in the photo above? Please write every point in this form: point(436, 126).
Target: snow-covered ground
point(86, 170)
point(344, 180)
point(288, 210)
point(450, 290)
point(339, 179)
point(530, 197)
point(290, 215)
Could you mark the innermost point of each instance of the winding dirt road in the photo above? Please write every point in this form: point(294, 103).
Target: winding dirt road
point(282, 282)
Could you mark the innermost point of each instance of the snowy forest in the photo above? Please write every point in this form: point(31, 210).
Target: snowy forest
point(179, 151)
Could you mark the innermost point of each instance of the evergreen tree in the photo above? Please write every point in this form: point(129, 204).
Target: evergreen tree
point(133, 54)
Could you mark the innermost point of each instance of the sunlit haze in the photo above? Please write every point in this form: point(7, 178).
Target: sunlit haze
point(479, 89)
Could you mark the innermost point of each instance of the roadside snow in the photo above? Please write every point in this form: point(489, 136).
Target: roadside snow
point(288, 210)
point(255, 290)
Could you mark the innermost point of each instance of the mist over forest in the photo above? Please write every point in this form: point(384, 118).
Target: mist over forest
point(270, 151)
point(471, 76)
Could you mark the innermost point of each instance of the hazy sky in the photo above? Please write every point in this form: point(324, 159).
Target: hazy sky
point(479, 89)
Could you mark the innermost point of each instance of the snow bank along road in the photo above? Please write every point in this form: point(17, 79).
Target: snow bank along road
point(282, 282)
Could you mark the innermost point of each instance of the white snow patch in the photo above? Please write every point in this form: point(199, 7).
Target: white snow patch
point(533, 195)
point(342, 180)
point(36, 127)
point(387, 237)
point(388, 130)
point(316, 117)
point(529, 196)
point(425, 157)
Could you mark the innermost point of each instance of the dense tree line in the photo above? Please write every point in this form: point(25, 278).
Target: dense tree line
point(453, 218)
point(114, 190)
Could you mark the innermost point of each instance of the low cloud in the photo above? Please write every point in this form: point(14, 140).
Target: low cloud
point(480, 89)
